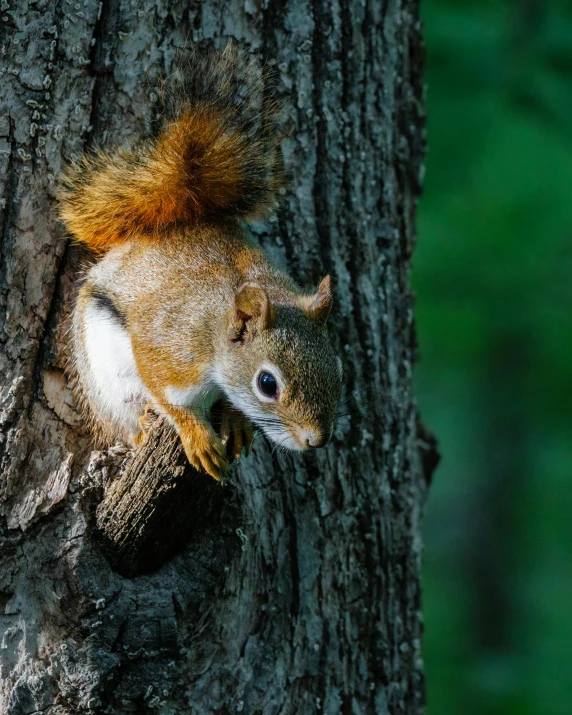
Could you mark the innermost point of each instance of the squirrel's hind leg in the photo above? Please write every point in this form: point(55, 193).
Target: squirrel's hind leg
point(108, 377)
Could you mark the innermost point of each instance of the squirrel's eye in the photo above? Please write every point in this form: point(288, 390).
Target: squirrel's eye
point(267, 384)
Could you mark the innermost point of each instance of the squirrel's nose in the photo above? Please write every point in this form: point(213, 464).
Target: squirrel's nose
point(315, 439)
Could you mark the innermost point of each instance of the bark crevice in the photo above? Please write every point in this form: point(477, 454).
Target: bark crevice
point(297, 586)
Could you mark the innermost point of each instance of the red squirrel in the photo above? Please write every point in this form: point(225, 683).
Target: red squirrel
point(183, 307)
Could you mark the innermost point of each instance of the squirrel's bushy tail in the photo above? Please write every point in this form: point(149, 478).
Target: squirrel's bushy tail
point(211, 151)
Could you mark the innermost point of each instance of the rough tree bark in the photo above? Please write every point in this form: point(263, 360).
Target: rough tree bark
point(300, 593)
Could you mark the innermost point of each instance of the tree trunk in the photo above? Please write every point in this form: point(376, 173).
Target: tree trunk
point(299, 593)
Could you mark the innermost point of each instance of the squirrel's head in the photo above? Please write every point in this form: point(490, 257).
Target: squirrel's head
point(279, 368)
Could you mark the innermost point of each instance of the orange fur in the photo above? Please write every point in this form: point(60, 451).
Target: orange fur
point(213, 159)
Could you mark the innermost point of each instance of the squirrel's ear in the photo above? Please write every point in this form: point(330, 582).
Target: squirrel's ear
point(251, 307)
point(318, 306)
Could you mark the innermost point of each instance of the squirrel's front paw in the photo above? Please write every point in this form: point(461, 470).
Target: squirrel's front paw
point(236, 431)
point(146, 421)
point(204, 450)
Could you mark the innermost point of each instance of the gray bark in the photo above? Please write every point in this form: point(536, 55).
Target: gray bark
point(300, 593)
point(156, 504)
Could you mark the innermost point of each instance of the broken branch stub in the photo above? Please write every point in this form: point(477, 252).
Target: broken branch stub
point(155, 506)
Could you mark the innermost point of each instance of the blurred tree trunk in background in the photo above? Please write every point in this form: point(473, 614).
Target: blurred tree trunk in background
point(302, 594)
point(491, 558)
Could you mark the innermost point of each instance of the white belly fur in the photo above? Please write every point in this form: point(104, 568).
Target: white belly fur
point(115, 387)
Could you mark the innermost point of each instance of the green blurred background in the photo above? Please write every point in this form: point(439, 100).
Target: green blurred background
point(493, 277)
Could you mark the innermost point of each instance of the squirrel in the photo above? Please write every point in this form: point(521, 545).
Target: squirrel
point(183, 308)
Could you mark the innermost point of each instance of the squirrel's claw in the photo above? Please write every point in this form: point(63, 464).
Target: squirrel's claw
point(145, 422)
point(247, 436)
point(204, 450)
point(147, 418)
point(210, 460)
point(236, 432)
